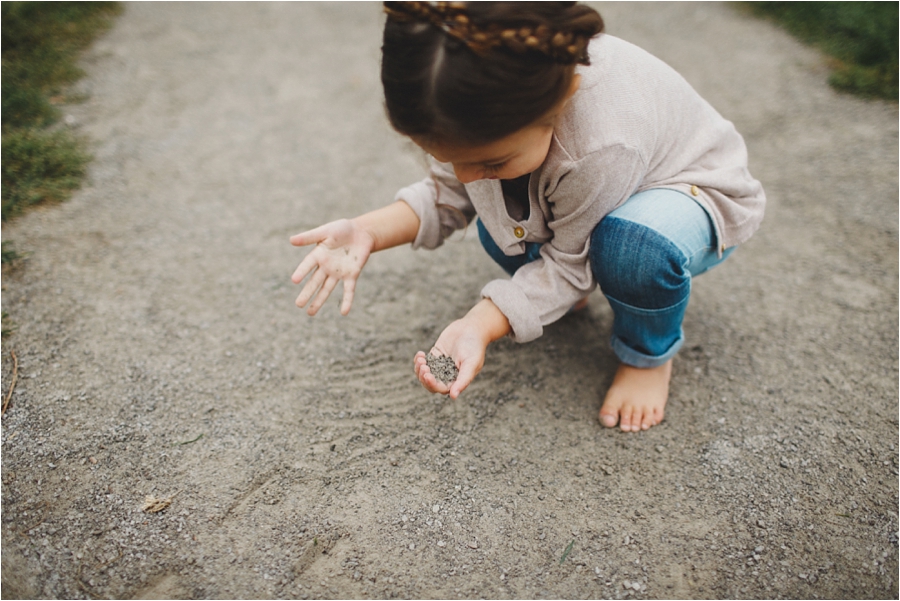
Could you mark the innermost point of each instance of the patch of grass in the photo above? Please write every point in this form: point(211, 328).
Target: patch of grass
point(860, 36)
point(10, 256)
point(9, 253)
point(7, 327)
point(40, 46)
point(39, 166)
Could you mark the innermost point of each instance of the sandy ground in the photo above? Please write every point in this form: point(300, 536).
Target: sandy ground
point(160, 352)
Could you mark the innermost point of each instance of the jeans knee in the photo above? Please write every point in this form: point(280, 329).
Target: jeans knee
point(637, 265)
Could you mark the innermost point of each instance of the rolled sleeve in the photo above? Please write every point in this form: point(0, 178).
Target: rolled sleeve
point(516, 306)
point(441, 203)
point(420, 198)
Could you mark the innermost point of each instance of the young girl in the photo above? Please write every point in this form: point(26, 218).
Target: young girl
point(584, 168)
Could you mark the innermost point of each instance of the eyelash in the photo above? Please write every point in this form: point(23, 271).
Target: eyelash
point(496, 167)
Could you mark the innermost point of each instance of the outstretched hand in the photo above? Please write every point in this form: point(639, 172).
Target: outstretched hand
point(342, 249)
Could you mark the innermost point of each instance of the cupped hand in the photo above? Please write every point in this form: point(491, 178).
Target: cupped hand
point(466, 343)
point(342, 249)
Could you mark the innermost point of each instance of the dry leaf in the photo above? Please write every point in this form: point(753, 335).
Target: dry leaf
point(154, 505)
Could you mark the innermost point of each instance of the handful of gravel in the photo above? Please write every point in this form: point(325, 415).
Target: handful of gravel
point(442, 367)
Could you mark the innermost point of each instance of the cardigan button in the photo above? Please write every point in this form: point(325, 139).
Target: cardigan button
point(695, 190)
point(519, 232)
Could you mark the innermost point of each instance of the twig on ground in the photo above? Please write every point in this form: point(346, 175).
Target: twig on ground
point(15, 376)
point(84, 587)
point(42, 505)
point(178, 444)
point(99, 566)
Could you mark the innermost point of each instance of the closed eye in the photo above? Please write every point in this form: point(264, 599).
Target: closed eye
point(494, 168)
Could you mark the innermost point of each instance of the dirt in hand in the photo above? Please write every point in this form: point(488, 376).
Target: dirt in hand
point(442, 367)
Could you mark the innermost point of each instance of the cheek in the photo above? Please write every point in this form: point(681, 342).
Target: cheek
point(537, 154)
point(532, 162)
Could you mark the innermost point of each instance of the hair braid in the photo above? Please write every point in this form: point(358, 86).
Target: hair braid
point(474, 72)
point(565, 41)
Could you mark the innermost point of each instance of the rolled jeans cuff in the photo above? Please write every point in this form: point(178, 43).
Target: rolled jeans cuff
point(658, 329)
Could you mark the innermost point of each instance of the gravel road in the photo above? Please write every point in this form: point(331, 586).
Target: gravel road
point(160, 353)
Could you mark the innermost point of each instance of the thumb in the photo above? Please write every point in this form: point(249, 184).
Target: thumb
point(467, 372)
point(313, 236)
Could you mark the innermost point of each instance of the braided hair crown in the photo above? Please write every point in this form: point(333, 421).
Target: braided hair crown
point(558, 30)
point(474, 72)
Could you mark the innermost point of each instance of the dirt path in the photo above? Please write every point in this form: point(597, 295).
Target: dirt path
point(160, 351)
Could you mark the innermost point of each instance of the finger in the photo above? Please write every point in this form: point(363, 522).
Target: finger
point(304, 269)
point(467, 373)
point(420, 361)
point(432, 384)
point(420, 366)
point(422, 371)
point(314, 283)
point(347, 301)
point(312, 236)
point(323, 295)
point(426, 378)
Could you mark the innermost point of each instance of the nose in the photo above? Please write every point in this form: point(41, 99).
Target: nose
point(466, 173)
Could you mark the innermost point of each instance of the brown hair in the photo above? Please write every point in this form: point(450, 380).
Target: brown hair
point(471, 73)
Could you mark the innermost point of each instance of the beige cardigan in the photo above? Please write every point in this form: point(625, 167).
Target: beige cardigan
point(633, 125)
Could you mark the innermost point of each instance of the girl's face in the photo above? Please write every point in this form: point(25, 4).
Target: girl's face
point(515, 155)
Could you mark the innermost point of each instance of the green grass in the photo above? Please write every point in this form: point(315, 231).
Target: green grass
point(861, 38)
point(10, 255)
point(39, 166)
point(41, 42)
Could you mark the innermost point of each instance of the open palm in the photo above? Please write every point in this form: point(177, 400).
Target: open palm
point(341, 251)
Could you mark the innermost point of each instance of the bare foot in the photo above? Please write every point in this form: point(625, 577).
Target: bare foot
point(637, 398)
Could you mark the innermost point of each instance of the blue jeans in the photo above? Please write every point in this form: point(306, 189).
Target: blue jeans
point(643, 256)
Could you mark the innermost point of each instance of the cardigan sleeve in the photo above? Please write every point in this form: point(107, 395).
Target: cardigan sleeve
point(543, 291)
point(441, 203)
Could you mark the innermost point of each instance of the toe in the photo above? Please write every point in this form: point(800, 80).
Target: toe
point(610, 412)
point(625, 418)
point(608, 418)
